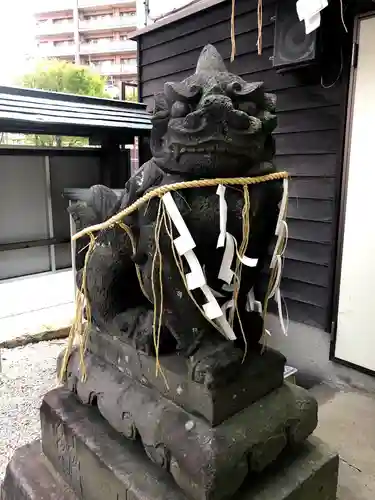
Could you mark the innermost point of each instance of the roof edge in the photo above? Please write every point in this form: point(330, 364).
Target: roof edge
point(66, 97)
point(173, 17)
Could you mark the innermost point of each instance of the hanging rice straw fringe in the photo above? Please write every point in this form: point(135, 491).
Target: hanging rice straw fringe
point(281, 247)
point(77, 328)
point(233, 31)
point(238, 269)
point(260, 27)
point(163, 219)
point(158, 311)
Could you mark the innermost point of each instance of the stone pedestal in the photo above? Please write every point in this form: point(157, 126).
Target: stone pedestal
point(130, 441)
point(82, 457)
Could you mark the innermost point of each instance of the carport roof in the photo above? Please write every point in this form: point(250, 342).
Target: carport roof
point(41, 112)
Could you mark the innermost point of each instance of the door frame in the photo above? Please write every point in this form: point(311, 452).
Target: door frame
point(343, 190)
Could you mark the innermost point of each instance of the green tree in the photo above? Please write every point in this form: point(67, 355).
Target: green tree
point(63, 76)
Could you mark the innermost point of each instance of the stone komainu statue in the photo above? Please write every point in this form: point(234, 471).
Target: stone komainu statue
point(172, 285)
point(212, 125)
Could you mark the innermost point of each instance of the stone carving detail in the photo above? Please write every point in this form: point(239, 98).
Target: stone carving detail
point(208, 247)
point(199, 457)
point(211, 125)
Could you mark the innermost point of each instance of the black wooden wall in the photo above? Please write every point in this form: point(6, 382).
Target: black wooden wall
point(308, 138)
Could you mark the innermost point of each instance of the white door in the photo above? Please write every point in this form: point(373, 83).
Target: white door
point(355, 339)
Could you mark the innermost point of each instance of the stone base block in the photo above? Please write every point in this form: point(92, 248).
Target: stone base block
point(98, 464)
point(199, 457)
point(214, 383)
point(310, 472)
point(29, 476)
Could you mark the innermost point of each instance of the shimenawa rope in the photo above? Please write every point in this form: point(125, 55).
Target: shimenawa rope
point(162, 217)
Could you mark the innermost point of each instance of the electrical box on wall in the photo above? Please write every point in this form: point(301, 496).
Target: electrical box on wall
point(292, 46)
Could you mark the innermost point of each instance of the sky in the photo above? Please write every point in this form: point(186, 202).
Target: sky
point(17, 32)
point(16, 37)
point(160, 7)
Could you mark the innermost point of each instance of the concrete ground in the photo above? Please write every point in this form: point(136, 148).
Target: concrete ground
point(36, 303)
point(346, 406)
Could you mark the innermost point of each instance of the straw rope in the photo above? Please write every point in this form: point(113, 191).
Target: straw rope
point(260, 28)
point(162, 190)
point(162, 219)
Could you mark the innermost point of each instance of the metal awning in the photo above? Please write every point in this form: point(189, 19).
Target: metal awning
point(30, 111)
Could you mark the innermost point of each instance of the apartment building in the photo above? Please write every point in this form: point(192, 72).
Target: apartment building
point(92, 32)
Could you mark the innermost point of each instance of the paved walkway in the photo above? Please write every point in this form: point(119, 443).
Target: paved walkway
point(346, 423)
point(346, 405)
point(36, 303)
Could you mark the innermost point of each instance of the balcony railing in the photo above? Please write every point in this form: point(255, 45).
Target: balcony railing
point(117, 69)
point(108, 47)
point(54, 6)
point(54, 28)
point(50, 50)
point(104, 3)
point(108, 23)
point(65, 5)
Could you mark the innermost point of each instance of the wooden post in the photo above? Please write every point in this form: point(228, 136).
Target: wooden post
point(115, 164)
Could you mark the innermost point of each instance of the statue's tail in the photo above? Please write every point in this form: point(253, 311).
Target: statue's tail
point(100, 204)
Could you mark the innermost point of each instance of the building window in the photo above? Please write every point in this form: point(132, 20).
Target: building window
point(129, 61)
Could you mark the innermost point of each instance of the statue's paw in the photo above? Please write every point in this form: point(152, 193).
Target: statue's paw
point(214, 365)
point(143, 341)
point(137, 327)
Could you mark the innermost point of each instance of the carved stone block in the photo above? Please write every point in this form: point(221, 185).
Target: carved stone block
point(111, 468)
point(199, 457)
point(29, 476)
point(193, 383)
point(106, 466)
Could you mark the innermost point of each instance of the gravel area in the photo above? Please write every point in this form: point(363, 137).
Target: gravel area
point(27, 374)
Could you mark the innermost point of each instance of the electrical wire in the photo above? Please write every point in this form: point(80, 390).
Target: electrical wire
point(342, 15)
point(339, 73)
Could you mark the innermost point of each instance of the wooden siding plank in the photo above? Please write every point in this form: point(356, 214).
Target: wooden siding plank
point(308, 120)
point(307, 143)
point(306, 98)
point(303, 313)
point(306, 272)
point(310, 209)
point(308, 166)
point(305, 251)
point(314, 188)
point(320, 232)
point(303, 292)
